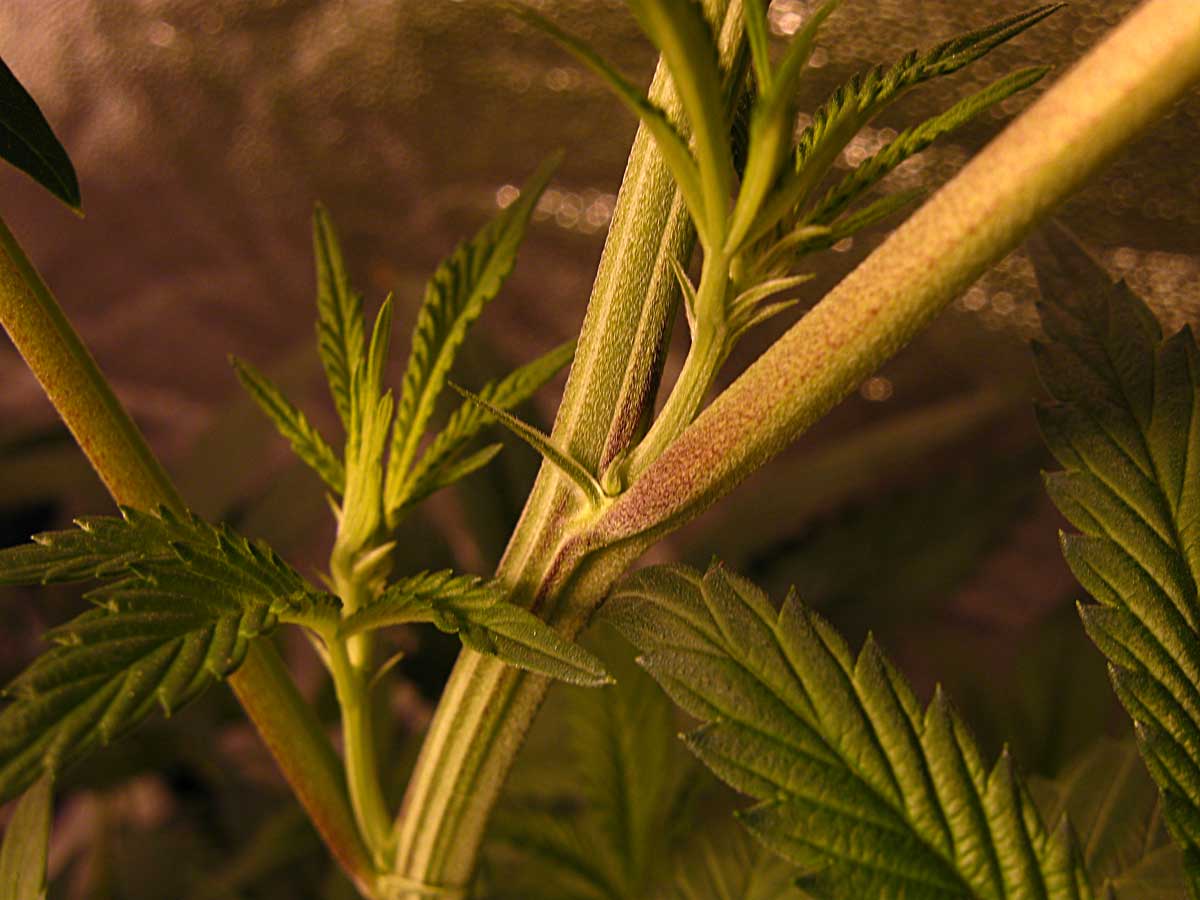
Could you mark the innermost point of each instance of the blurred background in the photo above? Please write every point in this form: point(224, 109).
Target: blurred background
point(204, 132)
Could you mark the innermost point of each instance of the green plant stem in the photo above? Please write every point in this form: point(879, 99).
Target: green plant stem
point(133, 476)
point(69, 376)
point(297, 741)
point(708, 350)
point(487, 707)
point(1064, 138)
point(362, 763)
point(566, 569)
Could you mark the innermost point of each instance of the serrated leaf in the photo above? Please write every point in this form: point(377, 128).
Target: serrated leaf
point(181, 603)
point(454, 298)
point(27, 844)
point(858, 101)
point(865, 95)
point(474, 610)
point(293, 426)
point(28, 142)
point(915, 139)
point(339, 315)
point(856, 784)
point(1126, 425)
point(440, 465)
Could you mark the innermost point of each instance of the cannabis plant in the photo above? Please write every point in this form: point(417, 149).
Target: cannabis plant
point(859, 789)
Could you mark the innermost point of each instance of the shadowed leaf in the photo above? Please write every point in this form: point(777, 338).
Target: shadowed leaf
point(27, 142)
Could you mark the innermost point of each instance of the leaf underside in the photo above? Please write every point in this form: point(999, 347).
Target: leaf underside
point(1125, 425)
point(870, 795)
point(182, 601)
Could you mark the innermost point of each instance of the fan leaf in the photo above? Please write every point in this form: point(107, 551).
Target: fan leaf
point(1125, 424)
point(857, 785)
point(182, 601)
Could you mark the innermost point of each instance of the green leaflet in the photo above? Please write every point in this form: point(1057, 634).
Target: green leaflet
point(868, 793)
point(566, 464)
point(293, 425)
point(1125, 425)
point(27, 843)
point(914, 140)
point(670, 142)
point(475, 611)
point(679, 29)
point(339, 314)
point(440, 464)
point(855, 103)
point(454, 298)
point(865, 95)
point(27, 142)
point(182, 602)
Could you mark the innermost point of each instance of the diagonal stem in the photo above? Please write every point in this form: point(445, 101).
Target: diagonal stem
point(133, 476)
point(1120, 88)
point(565, 566)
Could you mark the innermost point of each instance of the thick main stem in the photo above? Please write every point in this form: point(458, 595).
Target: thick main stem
point(119, 454)
point(1080, 123)
point(1064, 138)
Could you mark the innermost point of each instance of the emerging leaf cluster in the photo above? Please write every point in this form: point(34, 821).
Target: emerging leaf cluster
point(755, 200)
point(375, 493)
point(384, 470)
